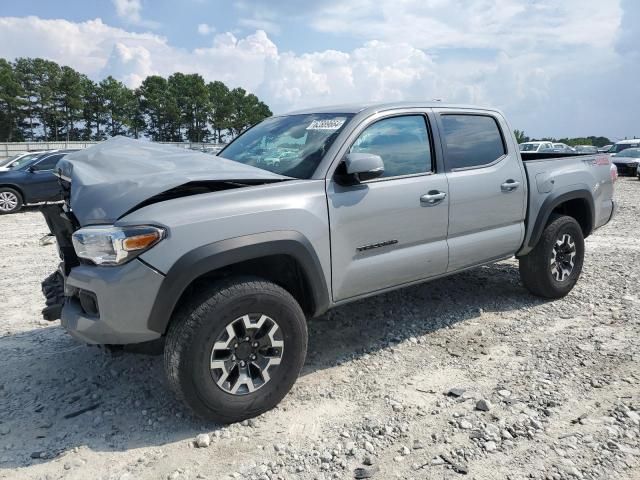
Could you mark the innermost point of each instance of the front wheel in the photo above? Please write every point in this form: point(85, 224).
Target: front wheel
point(553, 267)
point(237, 350)
point(10, 200)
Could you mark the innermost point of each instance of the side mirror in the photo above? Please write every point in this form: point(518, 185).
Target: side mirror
point(31, 169)
point(359, 167)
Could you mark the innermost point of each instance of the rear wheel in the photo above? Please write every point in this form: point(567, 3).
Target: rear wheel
point(10, 200)
point(553, 267)
point(236, 351)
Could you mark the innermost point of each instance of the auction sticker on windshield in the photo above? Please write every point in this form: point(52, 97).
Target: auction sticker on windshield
point(327, 124)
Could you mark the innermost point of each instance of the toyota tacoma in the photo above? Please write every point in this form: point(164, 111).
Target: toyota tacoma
point(226, 257)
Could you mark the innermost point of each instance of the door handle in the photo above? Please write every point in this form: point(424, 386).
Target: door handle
point(509, 185)
point(434, 197)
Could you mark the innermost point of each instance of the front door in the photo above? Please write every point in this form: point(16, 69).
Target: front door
point(391, 230)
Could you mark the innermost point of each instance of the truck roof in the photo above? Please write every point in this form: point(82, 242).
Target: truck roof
point(380, 106)
point(630, 140)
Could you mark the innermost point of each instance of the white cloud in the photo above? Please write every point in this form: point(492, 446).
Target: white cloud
point(260, 24)
point(130, 11)
point(509, 25)
point(205, 29)
point(552, 71)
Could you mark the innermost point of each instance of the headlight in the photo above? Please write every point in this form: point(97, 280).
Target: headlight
point(105, 245)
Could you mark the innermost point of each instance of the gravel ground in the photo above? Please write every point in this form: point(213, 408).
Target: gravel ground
point(467, 376)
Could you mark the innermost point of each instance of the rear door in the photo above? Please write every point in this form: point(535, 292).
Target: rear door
point(42, 184)
point(487, 187)
point(385, 232)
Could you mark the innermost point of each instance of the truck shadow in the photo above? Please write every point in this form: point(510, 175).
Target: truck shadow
point(56, 395)
point(378, 322)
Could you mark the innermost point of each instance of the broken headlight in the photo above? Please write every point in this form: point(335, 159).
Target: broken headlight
point(106, 245)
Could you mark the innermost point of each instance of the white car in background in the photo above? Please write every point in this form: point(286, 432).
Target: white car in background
point(623, 145)
point(590, 149)
point(563, 148)
point(627, 161)
point(536, 147)
point(19, 158)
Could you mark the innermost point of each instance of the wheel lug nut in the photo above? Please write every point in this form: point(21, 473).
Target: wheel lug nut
point(235, 345)
point(246, 339)
point(253, 357)
point(255, 344)
point(242, 363)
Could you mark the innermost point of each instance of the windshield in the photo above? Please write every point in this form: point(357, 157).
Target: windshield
point(23, 161)
point(618, 147)
point(292, 145)
point(529, 147)
point(7, 161)
point(630, 152)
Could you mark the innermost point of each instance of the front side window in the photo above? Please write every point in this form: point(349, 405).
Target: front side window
point(401, 142)
point(291, 145)
point(23, 161)
point(472, 140)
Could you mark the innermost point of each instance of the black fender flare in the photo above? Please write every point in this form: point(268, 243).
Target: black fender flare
point(556, 199)
point(214, 256)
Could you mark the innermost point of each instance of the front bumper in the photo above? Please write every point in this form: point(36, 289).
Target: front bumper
point(110, 305)
point(627, 169)
point(98, 304)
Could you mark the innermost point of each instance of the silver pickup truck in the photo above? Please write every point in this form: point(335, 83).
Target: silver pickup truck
point(227, 257)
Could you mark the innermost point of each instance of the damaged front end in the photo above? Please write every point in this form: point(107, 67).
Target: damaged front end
point(101, 185)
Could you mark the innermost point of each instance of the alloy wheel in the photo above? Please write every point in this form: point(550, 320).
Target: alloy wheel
point(246, 354)
point(8, 201)
point(562, 257)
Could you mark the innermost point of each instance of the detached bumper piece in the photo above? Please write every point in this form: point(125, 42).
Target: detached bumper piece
point(53, 291)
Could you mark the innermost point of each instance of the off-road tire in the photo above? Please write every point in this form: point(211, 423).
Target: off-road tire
point(535, 270)
point(15, 194)
point(199, 322)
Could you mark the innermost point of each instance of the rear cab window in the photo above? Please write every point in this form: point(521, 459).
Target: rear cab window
point(471, 140)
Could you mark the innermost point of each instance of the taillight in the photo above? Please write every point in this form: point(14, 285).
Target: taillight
point(614, 172)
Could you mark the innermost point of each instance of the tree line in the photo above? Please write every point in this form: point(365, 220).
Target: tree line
point(592, 140)
point(41, 100)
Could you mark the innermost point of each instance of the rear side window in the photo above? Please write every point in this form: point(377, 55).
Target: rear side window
point(472, 140)
point(402, 143)
point(48, 163)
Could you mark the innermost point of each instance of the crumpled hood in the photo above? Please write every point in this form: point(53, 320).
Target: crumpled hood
point(113, 177)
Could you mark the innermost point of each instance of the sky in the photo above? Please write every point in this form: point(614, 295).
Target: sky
point(555, 67)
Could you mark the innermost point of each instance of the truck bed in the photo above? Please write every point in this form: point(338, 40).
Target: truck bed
point(555, 176)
